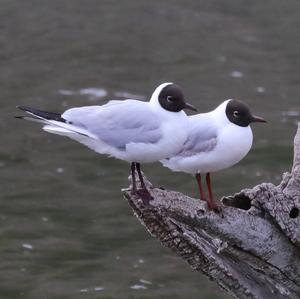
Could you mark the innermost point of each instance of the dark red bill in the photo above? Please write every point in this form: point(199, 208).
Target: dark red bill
point(258, 119)
point(190, 106)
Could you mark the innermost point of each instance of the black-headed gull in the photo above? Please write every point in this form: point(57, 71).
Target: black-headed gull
point(129, 130)
point(216, 140)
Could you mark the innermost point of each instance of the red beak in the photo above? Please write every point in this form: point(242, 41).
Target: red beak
point(258, 119)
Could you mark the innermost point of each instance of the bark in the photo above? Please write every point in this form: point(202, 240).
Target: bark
point(251, 249)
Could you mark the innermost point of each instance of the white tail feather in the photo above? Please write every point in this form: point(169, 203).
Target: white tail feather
point(37, 120)
point(68, 128)
point(61, 128)
point(56, 130)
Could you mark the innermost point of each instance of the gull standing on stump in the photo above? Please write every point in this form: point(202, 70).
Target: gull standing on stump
point(130, 130)
point(216, 140)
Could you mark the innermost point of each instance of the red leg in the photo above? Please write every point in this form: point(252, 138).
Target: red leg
point(143, 192)
point(133, 177)
point(198, 178)
point(212, 205)
point(138, 168)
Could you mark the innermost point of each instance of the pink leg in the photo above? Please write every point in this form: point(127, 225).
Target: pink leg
point(198, 178)
point(212, 205)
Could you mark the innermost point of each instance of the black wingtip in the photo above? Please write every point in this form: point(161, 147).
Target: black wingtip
point(21, 107)
point(42, 114)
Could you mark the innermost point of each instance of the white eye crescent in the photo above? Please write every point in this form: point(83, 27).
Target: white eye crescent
point(236, 113)
point(170, 99)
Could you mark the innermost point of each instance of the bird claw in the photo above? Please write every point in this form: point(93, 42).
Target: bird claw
point(145, 195)
point(212, 206)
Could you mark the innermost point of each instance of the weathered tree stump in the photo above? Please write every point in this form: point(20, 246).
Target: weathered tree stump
point(251, 250)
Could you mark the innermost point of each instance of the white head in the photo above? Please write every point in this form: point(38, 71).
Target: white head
point(238, 113)
point(169, 96)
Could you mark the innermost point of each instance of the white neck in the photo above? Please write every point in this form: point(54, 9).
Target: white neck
point(220, 114)
point(154, 98)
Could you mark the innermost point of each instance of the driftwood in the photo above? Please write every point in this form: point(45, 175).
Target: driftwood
point(251, 249)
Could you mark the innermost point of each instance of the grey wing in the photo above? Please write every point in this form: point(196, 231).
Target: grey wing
point(200, 139)
point(118, 123)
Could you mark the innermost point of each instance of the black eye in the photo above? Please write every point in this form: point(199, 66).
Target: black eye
point(170, 99)
point(236, 113)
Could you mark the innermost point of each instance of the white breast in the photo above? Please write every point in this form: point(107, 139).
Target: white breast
point(233, 144)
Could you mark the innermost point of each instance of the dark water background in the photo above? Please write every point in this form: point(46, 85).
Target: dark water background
point(65, 231)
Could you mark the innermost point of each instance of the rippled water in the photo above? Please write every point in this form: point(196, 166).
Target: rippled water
point(65, 230)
